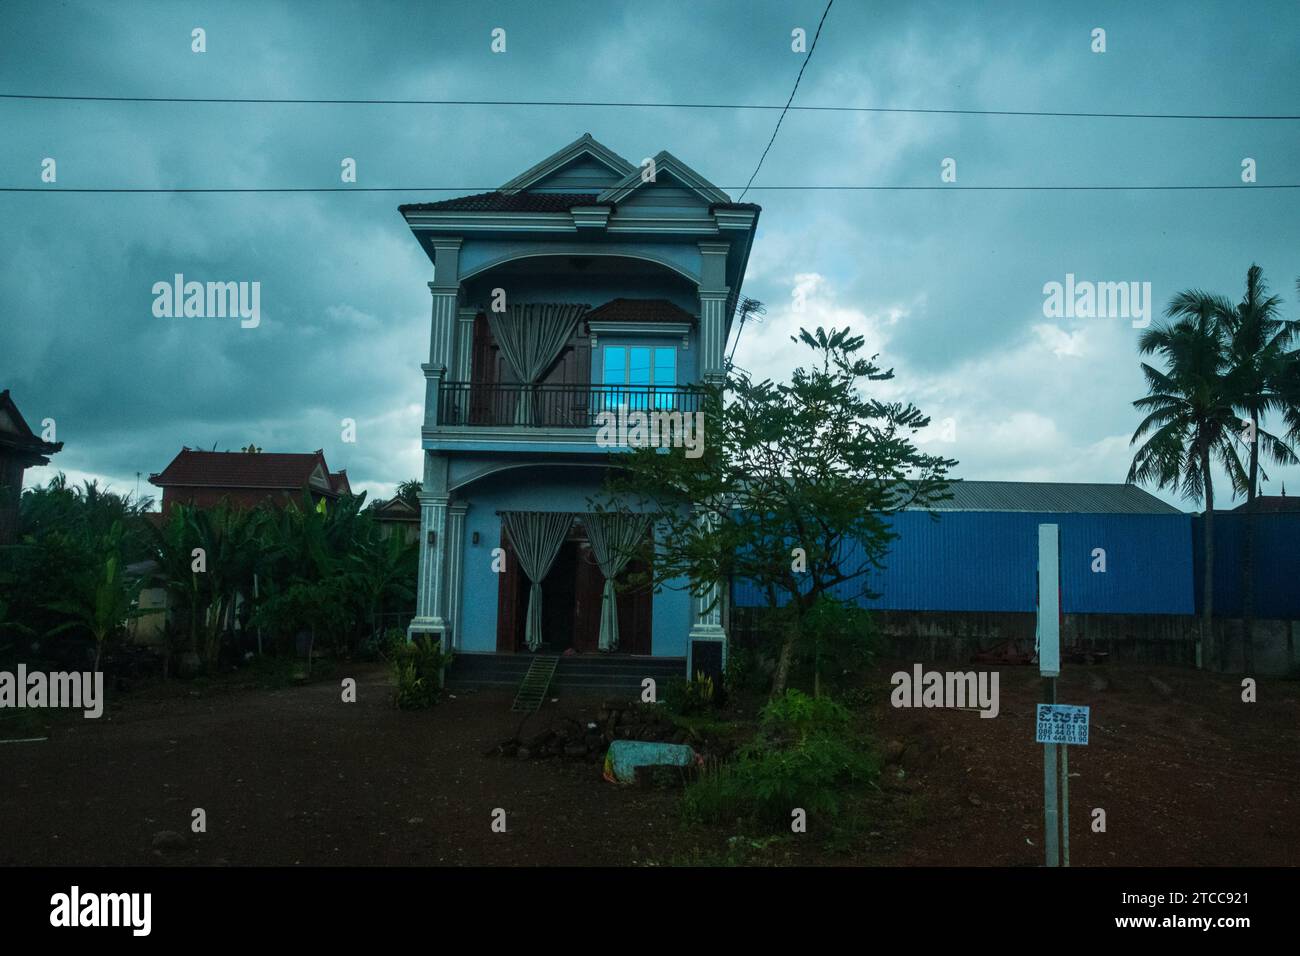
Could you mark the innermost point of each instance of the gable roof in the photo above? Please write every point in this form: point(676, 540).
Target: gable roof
point(17, 438)
point(584, 145)
point(276, 471)
point(519, 194)
point(1052, 498)
point(396, 509)
point(666, 163)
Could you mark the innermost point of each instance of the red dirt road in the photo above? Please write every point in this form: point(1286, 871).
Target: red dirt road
point(295, 776)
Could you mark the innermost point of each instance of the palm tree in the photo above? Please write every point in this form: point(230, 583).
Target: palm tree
point(1190, 421)
point(1258, 355)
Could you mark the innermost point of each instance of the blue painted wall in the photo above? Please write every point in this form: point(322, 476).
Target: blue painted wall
point(1276, 560)
point(987, 561)
point(541, 489)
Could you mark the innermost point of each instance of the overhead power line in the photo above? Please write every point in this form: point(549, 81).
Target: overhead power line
point(794, 89)
point(634, 104)
point(480, 189)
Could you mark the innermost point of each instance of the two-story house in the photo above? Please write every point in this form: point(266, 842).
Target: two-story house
point(583, 284)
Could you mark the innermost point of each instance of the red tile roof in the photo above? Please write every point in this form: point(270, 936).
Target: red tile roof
point(501, 202)
point(237, 469)
point(639, 310)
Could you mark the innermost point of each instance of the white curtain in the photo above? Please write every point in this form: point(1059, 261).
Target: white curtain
point(614, 537)
point(537, 537)
point(531, 336)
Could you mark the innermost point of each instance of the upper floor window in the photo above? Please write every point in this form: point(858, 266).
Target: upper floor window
point(631, 374)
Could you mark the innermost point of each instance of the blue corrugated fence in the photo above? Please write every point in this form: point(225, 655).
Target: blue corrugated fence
point(987, 561)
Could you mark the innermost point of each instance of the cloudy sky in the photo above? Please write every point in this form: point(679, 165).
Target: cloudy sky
point(946, 285)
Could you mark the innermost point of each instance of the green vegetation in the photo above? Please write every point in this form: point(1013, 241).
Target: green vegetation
point(417, 667)
point(793, 491)
point(806, 756)
point(307, 579)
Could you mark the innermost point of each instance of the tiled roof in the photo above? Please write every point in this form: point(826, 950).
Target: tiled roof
point(1052, 497)
point(339, 480)
point(16, 436)
point(639, 310)
point(238, 469)
point(502, 202)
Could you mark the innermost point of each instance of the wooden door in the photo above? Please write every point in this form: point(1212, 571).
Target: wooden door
point(510, 609)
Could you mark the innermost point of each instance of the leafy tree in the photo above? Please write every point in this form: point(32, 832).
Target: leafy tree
point(102, 602)
point(409, 492)
point(794, 488)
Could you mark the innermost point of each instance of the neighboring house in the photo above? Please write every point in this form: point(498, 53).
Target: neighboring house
point(397, 516)
point(20, 449)
point(581, 285)
point(249, 479)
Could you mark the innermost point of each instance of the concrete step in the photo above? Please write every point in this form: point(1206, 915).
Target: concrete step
point(580, 673)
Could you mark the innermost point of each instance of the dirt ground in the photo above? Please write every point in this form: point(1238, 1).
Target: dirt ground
point(295, 776)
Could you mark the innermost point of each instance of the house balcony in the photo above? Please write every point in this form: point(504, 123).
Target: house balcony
point(475, 416)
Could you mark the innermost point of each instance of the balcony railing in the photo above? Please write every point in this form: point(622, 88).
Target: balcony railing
point(555, 406)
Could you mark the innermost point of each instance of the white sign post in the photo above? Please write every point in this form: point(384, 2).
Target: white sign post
point(1049, 666)
point(1049, 600)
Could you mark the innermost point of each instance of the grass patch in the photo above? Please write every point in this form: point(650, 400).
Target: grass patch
point(805, 757)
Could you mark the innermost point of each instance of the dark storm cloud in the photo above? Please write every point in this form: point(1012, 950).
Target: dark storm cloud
point(950, 284)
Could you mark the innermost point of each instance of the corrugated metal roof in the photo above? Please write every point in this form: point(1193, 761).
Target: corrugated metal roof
point(1045, 497)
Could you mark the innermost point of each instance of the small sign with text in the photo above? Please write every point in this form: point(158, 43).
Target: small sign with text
point(1062, 724)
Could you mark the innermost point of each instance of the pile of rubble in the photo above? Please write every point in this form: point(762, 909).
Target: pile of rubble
point(577, 739)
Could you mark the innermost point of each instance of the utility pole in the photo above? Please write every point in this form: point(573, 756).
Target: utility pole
point(1049, 666)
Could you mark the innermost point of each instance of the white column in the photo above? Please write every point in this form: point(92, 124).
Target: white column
point(713, 292)
point(706, 616)
point(430, 598)
point(445, 290)
point(456, 569)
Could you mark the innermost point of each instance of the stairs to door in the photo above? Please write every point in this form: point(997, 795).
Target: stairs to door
point(532, 690)
point(594, 674)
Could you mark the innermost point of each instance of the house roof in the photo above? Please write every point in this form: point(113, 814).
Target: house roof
point(397, 509)
point(1052, 498)
point(1270, 504)
point(279, 471)
point(639, 310)
point(16, 438)
point(498, 201)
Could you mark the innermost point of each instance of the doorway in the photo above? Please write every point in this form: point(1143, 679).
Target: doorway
point(572, 593)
